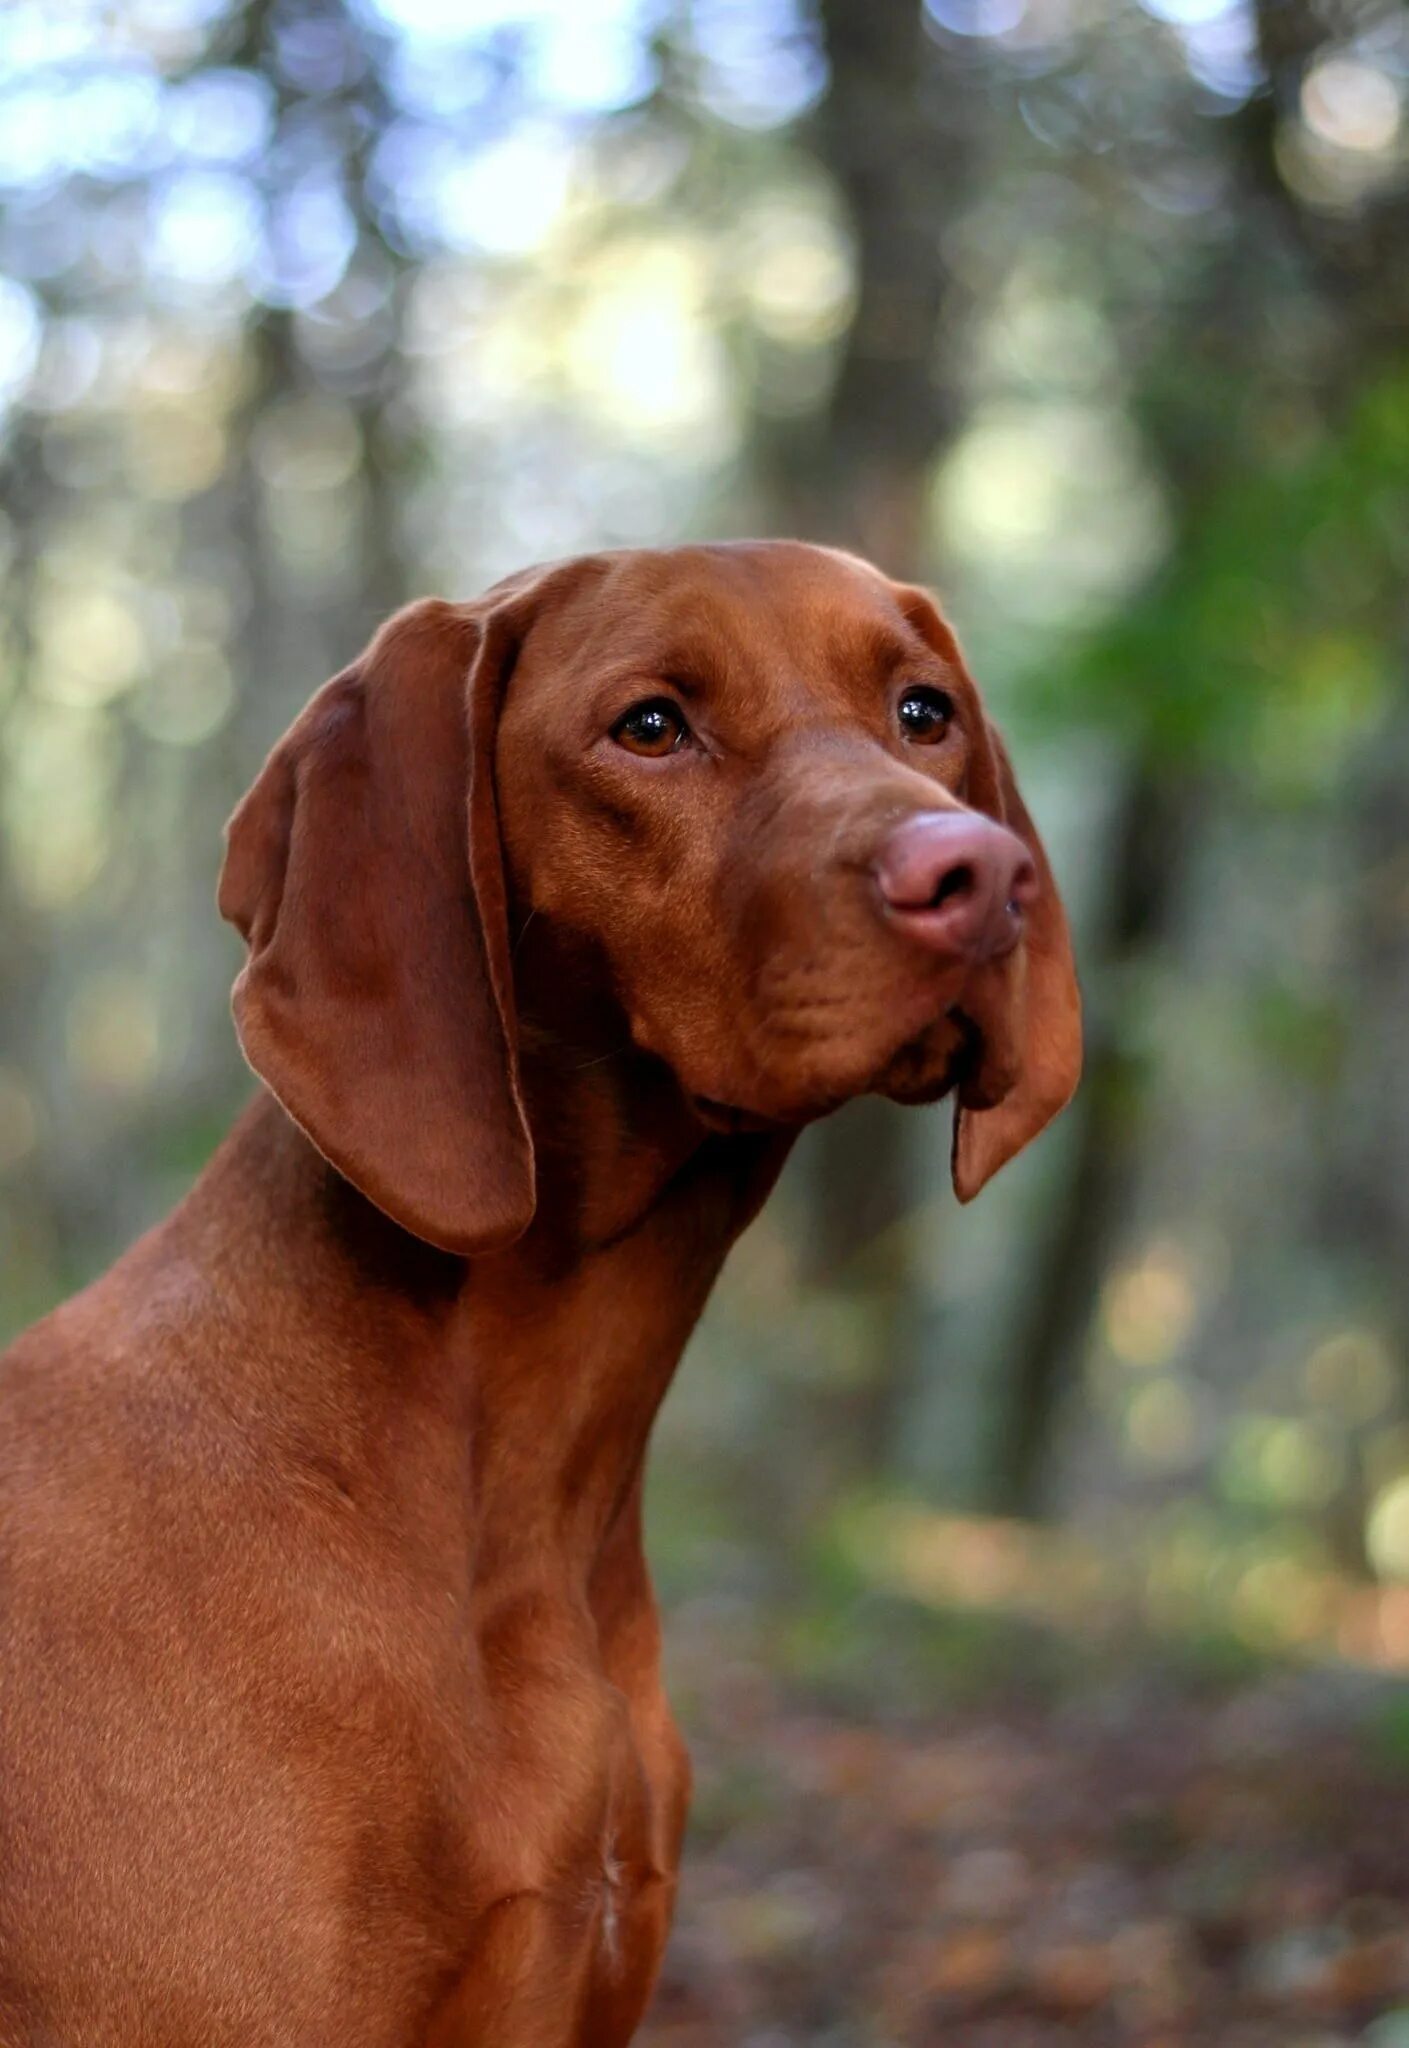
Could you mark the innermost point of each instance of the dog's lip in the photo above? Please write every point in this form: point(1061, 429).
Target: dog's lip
point(968, 1053)
point(963, 1061)
point(966, 1066)
point(728, 1118)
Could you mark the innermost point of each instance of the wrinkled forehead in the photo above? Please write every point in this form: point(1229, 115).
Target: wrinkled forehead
point(729, 614)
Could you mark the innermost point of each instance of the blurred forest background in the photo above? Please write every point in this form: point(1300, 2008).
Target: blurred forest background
point(1037, 1575)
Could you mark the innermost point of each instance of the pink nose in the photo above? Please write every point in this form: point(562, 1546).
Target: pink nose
point(957, 883)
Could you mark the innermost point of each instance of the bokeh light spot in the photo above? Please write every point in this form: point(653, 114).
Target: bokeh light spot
point(1387, 1531)
point(308, 444)
point(204, 227)
point(1353, 1373)
point(111, 1034)
point(20, 333)
point(1351, 105)
point(1160, 1423)
point(190, 701)
point(1148, 1309)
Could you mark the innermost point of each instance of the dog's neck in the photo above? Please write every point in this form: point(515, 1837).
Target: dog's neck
point(519, 1387)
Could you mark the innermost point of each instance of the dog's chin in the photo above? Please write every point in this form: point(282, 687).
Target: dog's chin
point(947, 1055)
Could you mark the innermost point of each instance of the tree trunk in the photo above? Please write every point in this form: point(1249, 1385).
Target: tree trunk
point(899, 148)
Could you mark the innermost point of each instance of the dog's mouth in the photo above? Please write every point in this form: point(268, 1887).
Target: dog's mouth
point(918, 1072)
point(967, 1060)
point(915, 1075)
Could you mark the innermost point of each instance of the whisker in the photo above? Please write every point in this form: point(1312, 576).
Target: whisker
point(520, 939)
point(614, 1054)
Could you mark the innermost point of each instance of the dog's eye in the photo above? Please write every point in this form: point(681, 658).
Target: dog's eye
point(925, 714)
point(656, 727)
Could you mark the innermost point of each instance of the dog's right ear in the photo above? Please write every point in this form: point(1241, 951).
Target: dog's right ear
point(1047, 1000)
point(364, 871)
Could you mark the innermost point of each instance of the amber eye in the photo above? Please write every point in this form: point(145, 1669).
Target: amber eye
point(655, 728)
point(924, 714)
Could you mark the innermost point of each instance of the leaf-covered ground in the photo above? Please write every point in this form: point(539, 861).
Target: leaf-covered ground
point(1134, 1865)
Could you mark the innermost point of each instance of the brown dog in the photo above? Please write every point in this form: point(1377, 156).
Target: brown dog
point(329, 1697)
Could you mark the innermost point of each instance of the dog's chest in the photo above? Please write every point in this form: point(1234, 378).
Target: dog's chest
point(563, 1876)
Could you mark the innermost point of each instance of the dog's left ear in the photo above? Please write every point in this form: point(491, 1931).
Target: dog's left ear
point(1047, 1027)
point(1041, 1002)
point(364, 871)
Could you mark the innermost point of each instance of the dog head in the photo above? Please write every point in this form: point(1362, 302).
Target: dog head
point(747, 803)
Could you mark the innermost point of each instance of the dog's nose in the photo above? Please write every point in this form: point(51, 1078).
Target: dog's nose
point(957, 882)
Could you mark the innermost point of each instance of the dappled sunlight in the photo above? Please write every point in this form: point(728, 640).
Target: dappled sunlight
point(58, 800)
point(1353, 1372)
point(792, 266)
point(20, 338)
point(1050, 501)
point(619, 335)
point(91, 643)
point(1352, 105)
point(1180, 1578)
point(1148, 1309)
point(113, 1038)
point(636, 352)
point(1348, 140)
point(1387, 1530)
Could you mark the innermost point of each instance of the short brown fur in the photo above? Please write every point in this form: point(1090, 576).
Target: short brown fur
point(329, 1701)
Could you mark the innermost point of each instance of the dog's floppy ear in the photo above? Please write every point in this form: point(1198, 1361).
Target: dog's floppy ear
point(1047, 1026)
point(364, 871)
point(1040, 1003)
